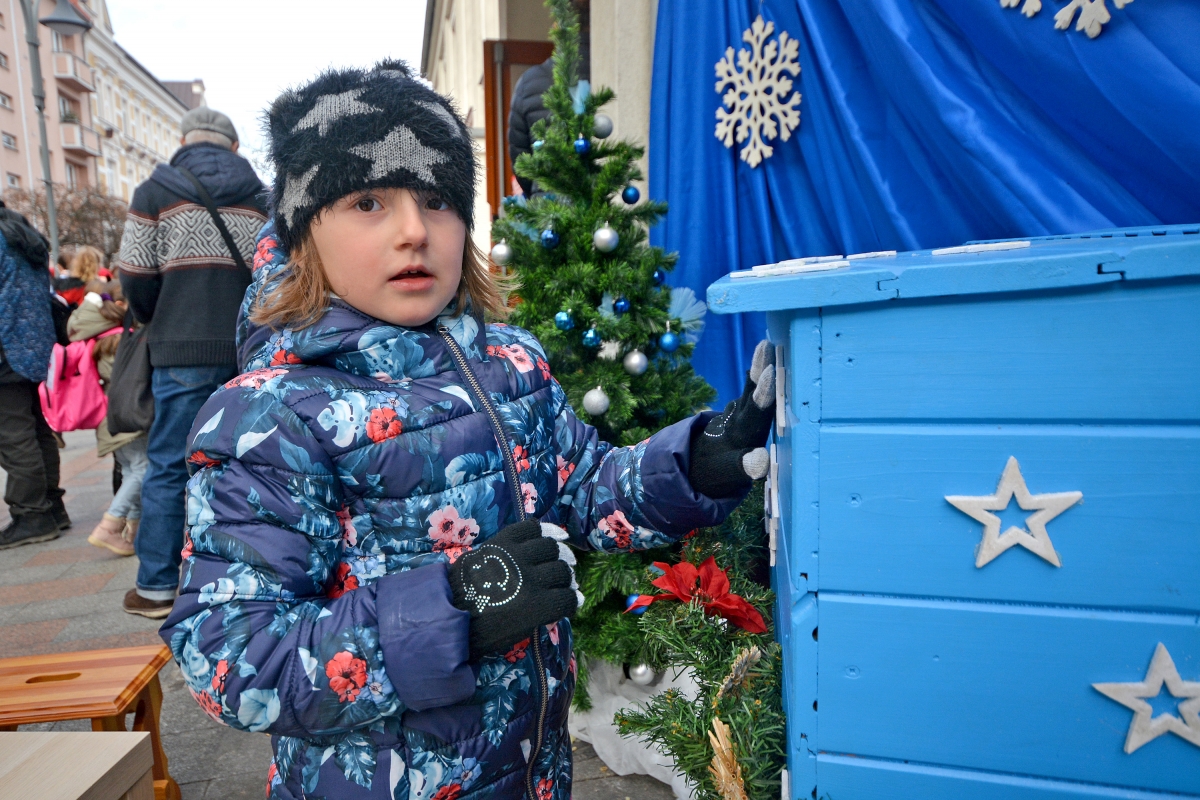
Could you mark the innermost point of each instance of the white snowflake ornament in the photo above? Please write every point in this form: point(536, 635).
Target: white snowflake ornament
point(758, 90)
point(1093, 14)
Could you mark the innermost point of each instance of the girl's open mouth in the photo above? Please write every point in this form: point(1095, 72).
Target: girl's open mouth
point(412, 279)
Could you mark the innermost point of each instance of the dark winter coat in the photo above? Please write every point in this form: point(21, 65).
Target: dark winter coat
point(176, 270)
point(527, 108)
point(334, 481)
point(26, 327)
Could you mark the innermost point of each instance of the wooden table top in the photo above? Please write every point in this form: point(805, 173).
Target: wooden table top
point(86, 685)
point(72, 765)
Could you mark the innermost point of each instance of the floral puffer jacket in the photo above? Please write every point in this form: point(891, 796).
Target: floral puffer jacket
point(333, 481)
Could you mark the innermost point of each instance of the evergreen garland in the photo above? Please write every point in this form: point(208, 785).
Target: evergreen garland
point(577, 193)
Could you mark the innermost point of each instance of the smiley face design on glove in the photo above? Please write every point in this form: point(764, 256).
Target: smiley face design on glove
point(493, 578)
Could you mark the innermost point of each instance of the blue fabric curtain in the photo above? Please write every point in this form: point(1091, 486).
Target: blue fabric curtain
point(924, 123)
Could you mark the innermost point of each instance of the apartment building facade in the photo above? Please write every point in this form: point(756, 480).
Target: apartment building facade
point(109, 121)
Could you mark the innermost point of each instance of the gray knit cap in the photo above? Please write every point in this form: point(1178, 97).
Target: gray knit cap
point(353, 129)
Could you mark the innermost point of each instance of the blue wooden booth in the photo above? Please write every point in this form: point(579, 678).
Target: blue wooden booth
point(986, 512)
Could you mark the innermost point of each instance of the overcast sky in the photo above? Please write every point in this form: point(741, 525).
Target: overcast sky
point(248, 51)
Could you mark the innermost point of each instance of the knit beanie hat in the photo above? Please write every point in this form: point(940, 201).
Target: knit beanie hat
point(353, 129)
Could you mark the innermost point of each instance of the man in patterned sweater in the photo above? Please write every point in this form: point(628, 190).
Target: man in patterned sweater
point(182, 281)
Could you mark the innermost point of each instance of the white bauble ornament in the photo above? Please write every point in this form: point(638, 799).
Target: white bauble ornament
point(602, 126)
point(636, 362)
point(595, 402)
point(605, 239)
point(502, 253)
point(642, 674)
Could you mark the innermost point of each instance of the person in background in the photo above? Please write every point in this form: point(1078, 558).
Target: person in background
point(183, 283)
point(28, 450)
point(98, 315)
point(82, 273)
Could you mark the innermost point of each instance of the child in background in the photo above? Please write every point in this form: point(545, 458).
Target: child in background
point(375, 569)
point(95, 316)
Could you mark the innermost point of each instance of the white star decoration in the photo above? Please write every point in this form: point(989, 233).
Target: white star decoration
point(1145, 727)
point(295, 192)
point(401, 149)
point(1035, 540)
point(329, 108)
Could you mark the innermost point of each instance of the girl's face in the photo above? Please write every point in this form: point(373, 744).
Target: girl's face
point(395, 254)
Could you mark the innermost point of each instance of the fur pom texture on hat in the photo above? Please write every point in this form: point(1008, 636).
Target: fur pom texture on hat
point(352, 129)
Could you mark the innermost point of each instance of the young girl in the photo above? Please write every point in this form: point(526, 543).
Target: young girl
point(374, 570)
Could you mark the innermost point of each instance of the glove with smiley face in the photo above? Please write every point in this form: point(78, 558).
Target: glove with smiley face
point(518, 580)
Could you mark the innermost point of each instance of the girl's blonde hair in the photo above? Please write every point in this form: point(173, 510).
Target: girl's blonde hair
point(86, 263)
point(301, 297)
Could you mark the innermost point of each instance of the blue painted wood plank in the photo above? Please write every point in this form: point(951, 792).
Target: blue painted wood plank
point(1116, 352)
point(1048, 262)
point(1133, 542)
point(845, 778)
point(1002, 688)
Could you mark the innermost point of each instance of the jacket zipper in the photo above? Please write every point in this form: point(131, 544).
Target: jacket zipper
point(510, 468)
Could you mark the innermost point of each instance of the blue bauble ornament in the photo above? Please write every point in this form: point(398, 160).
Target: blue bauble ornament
point(669, 342)
point(564, 321)
point(630, 195)
point(582, 145)
point(591, 338)
point(621, 306)
point(549, 239)
point(537, 144)
point(660, 276)
point(630, 600)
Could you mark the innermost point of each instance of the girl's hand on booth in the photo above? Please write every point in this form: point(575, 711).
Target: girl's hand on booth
point(730, 452)
point(519, 580)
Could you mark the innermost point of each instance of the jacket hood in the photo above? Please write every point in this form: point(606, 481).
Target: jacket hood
point(344, 337)
point(228, 177)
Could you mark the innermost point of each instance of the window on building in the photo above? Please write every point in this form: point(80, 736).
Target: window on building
point(12, 181)
point(63, 44)
point(68, 109)
point(72, 176)
point(3, 61)
point(8, 140)
point(6, 101)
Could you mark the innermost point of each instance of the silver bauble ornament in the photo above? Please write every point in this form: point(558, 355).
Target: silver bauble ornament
point(636, 362)
point(595, 402)
point(502, 253)
point(605, 239)
point(602, 126)
point(642, 674)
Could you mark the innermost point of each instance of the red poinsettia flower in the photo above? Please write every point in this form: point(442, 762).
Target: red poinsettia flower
point(680, 583)
point(545, 789)
point(341, 582)
point(262, 253)
point(450, 792)
point(282, 356)
point(218, 681)
point(544, 367)
point(208, 704)
point(383, 424)
point(521, 456)
point(200, 460)
point(517, 652)
point(272, 773)
point(188, 549)
point(347, 675)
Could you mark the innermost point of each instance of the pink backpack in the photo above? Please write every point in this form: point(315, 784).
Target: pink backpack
point(72, 398)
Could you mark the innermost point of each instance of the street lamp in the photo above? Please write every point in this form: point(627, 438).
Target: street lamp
point(65, 20)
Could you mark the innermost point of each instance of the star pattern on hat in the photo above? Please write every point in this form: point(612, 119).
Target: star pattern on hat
point(295, 193)
point(329, 108)
point(440, 111)
point(401, 149)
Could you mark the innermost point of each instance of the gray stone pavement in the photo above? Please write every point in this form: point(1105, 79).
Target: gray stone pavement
point(65, 595)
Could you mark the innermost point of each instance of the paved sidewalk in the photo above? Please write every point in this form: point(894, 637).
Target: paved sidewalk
point(65, 595)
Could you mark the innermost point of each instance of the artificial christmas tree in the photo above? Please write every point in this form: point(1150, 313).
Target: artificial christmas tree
point(619, 340)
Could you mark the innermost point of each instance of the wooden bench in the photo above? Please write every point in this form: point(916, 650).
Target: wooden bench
point(76, 766)
point(100, 685)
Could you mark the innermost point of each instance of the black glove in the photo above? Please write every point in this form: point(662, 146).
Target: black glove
point(730, 452)
point(513, 583)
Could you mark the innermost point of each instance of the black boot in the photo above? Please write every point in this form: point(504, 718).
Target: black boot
point(29, 528)
point(58, 510)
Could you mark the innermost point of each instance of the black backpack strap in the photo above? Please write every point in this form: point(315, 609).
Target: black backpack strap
point(206, 198)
